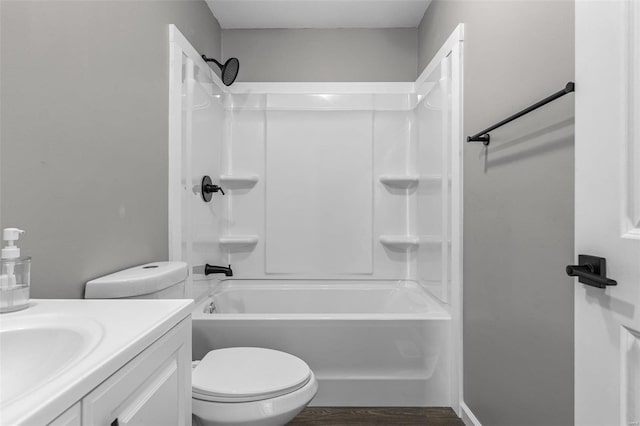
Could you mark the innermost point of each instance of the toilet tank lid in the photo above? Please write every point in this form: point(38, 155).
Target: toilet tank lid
point(137, 281)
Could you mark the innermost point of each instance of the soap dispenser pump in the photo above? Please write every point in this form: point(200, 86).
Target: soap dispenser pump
point(11, 235)
point(14, 273)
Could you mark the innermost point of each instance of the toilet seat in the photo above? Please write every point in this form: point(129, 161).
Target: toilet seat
point(247, 374)
point(267, 412)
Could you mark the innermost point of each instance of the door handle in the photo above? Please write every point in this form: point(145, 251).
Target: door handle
point(591, 270)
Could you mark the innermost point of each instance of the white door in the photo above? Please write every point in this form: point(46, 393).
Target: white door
point(607, 321)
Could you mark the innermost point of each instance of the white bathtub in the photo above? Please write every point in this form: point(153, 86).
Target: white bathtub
point(373, 343)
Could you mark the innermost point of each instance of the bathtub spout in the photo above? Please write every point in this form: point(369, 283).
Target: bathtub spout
point(212, 269)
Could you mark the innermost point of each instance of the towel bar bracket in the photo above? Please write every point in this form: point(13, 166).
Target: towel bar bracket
point(485, 139)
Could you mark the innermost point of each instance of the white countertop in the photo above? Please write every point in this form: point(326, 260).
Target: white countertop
point(128, 327)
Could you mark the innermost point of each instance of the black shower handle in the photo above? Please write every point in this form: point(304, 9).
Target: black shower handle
point(214, 188)
point(207, 188)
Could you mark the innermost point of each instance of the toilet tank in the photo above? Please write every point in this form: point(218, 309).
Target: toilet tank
point(157, 280)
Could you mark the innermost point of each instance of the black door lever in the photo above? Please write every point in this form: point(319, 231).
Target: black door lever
point(592, 270)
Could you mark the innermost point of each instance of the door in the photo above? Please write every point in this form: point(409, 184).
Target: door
point(607, 321)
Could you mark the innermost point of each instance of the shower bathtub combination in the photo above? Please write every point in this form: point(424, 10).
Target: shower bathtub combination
point(340, 222)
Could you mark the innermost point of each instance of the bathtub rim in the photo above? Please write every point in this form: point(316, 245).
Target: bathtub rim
point(437, 310)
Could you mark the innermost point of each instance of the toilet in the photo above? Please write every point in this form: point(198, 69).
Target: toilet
point(230, 386)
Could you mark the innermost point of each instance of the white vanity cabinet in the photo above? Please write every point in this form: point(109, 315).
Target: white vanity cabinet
point(152, 389)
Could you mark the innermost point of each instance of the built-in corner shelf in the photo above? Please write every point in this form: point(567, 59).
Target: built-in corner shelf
point(239, 181)
point(400, 242)
point(232, 242)
point(400, 181)
point(409, 242)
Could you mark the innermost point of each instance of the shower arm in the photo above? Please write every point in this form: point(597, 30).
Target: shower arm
point(204, 57)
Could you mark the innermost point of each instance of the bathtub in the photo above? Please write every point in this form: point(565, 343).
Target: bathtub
point(369, 343)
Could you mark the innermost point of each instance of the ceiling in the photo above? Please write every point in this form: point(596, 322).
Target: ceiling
point(318, 13)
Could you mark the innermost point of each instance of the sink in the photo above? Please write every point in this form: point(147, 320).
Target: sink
point(36, 349)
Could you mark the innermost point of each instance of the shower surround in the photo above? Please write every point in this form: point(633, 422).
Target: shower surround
point(341, 201)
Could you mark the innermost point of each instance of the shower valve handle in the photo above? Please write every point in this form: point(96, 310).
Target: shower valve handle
point(207, 188)
point(214, 188)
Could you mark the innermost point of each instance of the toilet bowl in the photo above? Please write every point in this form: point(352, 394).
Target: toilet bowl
point(231, 386)
point(250, 386)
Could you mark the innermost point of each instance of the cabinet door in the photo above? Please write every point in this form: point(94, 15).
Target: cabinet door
point(71, 417)
point(156, 401)
point(153, 389)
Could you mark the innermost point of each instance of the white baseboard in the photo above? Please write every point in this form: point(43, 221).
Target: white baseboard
point(467, 416)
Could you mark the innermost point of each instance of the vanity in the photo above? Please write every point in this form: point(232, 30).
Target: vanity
point(96, 362)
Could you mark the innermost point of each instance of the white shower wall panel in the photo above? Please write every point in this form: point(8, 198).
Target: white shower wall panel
point(197, 133)
point(429, 192)
point(434, 192)
point(392, 133)
point(207, 136)
point(246, 148)
point(387, 142)
point(319, 192)
point(394, 154)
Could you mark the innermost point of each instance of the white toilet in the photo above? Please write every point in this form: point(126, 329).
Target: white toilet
point(232, 386)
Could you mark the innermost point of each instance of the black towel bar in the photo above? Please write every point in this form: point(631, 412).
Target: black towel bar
point(484, 137)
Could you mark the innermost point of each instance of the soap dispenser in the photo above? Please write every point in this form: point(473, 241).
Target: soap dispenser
point(14, 273)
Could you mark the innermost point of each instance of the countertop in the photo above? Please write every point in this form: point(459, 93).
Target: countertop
point(128, 327)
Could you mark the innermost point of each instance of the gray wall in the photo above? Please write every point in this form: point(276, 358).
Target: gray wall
point(518, 207)
point(323, 55)
point(84, 88)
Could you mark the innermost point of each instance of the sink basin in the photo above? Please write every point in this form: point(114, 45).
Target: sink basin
point(36, 349)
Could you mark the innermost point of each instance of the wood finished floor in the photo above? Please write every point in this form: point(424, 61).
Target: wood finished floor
point(359, 416)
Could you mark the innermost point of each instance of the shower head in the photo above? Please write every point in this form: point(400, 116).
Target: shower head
point(229, 70)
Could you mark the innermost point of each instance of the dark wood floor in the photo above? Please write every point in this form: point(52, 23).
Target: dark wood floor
point(397, 416)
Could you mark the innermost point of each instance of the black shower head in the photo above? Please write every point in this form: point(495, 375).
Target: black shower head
point(229, 70)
